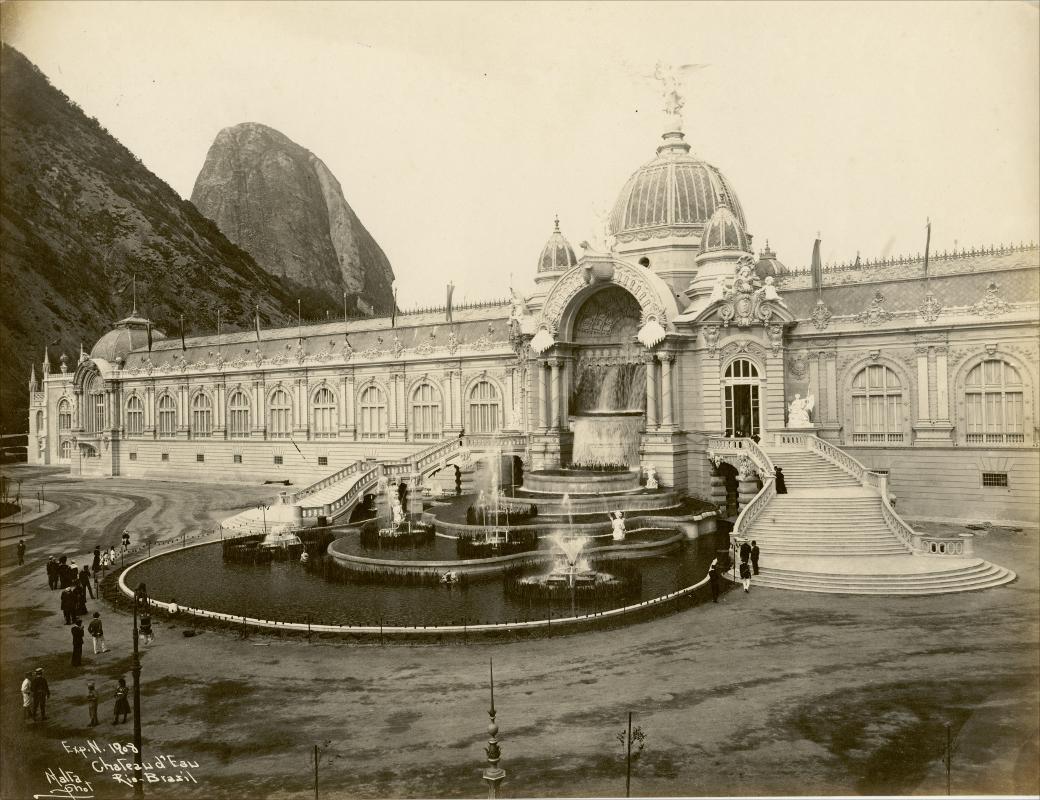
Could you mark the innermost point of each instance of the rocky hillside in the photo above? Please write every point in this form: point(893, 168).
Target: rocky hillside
point(280, 203)
point(79, 216)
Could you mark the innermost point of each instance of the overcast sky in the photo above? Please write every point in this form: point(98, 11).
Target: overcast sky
point(459, 130)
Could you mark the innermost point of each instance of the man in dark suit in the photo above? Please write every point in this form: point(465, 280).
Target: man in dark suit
point(77, 642)
point(754, 556)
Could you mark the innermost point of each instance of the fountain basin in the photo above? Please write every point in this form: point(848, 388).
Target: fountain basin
point(607, 438)
point(578, 481)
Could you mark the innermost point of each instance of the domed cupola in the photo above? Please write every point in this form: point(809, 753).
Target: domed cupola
point(724, 232)
point(675, 194)
point(557, 256)
point(128, 335)
point(768, 266)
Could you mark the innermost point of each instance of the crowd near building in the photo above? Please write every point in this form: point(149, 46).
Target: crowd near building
point(922, 366)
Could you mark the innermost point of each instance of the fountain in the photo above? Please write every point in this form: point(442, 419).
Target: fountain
point(569, 568)
point(607, 407)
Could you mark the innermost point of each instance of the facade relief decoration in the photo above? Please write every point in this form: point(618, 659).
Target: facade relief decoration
point(930, 308)
point(744, 305)
point(875, 313)
point(991, 304)
point(798, 365)
point(821, 316)
point(711, 339)
point(776, 338)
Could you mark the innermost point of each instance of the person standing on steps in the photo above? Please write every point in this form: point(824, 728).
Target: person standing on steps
point(781, 484)
point(745, 575)
point(755, 552)
point(77, 642)
point(713, 580)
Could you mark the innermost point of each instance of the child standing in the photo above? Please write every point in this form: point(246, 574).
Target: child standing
point(92, 704)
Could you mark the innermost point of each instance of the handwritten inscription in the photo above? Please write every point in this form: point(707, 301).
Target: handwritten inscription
point(117, 760)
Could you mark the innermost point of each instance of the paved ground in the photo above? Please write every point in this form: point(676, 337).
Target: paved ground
point(766, 693)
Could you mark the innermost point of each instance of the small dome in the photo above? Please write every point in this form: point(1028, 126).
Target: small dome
point(557, 255)
point(768, 266)
point(128, 335)
point(724, 232)
point(673, 194)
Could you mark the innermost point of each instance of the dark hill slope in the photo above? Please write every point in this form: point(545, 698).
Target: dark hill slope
point(79, 216)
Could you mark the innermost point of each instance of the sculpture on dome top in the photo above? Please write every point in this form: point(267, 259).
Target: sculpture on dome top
point(671, 77)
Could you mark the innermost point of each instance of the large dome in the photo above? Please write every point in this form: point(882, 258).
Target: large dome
point(675, 194)
point(128, 335)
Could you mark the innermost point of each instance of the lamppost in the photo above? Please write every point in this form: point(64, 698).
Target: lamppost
point(140, 596)
point(493, 774)
point(263, 510)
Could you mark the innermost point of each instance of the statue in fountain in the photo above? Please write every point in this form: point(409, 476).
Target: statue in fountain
point(617, 522)
point(397, 515)
point(651, 477)
point(798, 411)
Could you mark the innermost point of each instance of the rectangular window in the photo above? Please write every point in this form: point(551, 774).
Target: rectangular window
point(165, 456)
point(237, 458)
point(133, 456)
point(200, 457)
point(323, 461)
point(994, 479)
point(278, 460)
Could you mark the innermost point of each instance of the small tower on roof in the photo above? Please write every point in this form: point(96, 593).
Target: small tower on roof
point(33, 383)
point(557, 256)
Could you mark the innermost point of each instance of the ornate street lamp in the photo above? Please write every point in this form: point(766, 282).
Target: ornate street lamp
point(140, 597)
point(493, 774)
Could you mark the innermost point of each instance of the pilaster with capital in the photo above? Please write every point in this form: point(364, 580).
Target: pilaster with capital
point(555, 365)
point(651, 391)
point(667, 400)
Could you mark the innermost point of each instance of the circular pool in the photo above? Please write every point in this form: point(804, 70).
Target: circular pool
point(285, 591)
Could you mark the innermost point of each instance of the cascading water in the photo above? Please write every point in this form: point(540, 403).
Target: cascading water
point(607, 439)
point(607, 404)
point(604, 388)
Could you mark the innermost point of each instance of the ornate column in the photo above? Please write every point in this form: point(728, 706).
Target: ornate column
point(449, 401)
point(220, 428)
point(149, 410)
point(258, 407)
point(391, 402)
point(651, 391)
point(554, 392)
point(183, 412)
point(300, 406)
point(922, 383)
point(942, 383)
point(459, 405)
point(349, 408)
point(667, 418)
point(543, 395)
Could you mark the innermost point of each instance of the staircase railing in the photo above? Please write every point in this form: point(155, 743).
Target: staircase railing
point(324, 483)
point(742, 446)
point(754, 509)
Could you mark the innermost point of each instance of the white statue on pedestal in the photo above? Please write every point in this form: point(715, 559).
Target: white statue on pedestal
point(798, 411)
point(617, 522)
point(651, 477)
point(396, 512)
point(769, 292)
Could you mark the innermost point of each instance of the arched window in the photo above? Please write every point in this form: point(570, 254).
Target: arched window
point(323, 411)
point(279, 415)
point(877, 398)
point(372, 413)
point(201, 415)
point(64, 416)
point(993, 403)
point(134, 416)
point(741, 401)
point(65, 451)
point(483, 408)
point(167, 416)
point(426, 412)
point(238, 415)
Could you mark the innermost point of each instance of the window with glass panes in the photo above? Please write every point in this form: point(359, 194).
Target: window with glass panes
point(64, 416)
point(993, 404)
point(238, 415)
point(66, 450)
point(98, 403)
point(483, 408)
point(323, 413)
point(279, 414)
point(167, 416)
point(201, 415)
point(372, 419)
point(134, 416)
point(426, 412)
point(877, 399)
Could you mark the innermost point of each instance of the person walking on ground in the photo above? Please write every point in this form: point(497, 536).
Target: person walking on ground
point(745, 575)
point(755, 552)
point(21, 552)
point(122, 704)
point(745, 551)
point(84, 579)
point(27, 696)
point(80, 594)
point(781, 484)
point(92, 705)
point(40, 691)
point(64, 581)
point(106, 562)
point(146, 628)
point(97, 632)
point(52, 573)
point(96, 564)
point(713, 580)
point(112, 554)
point(69, 599)
point(77, 642)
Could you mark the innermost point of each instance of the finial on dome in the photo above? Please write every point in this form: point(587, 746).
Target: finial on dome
point(556, 223)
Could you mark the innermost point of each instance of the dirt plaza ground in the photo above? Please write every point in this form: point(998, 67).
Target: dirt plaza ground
point(771, 692)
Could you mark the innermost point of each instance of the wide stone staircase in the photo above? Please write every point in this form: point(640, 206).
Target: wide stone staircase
point(830, 534)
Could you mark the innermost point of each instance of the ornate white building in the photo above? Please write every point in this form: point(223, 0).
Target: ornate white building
point(676, 325)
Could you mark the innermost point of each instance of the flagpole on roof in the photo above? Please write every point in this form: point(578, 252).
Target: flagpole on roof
point(927, 244)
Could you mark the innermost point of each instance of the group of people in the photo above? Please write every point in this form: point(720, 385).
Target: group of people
point(36, 691)
point(749, 554)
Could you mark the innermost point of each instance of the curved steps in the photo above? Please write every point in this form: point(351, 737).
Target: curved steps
point(942, 578)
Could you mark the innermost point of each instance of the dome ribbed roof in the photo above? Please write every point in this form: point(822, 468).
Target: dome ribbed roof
point(557, 255)
point(724, 232)
point(768, 265)
point(674, 194)
point(128, 335)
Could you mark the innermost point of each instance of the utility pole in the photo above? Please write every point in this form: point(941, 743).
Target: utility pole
point(949, 757)
point(628, 758)
point(140, 594)
point(315, 772)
